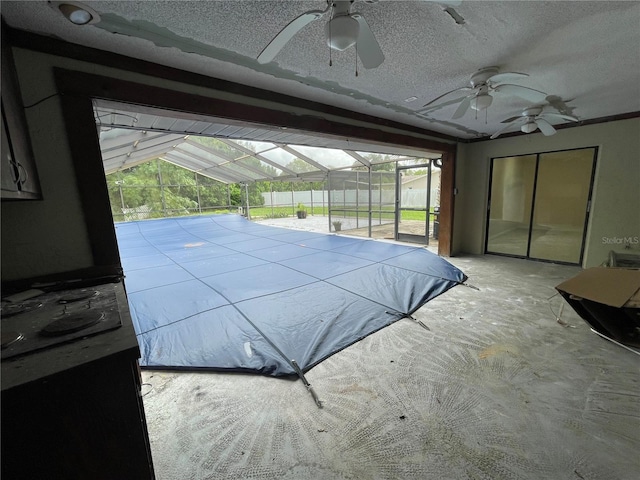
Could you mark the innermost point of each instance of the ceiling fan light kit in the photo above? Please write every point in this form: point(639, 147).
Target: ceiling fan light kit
point(481, 102)
point(342, 32)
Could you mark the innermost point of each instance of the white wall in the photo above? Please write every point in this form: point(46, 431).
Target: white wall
point(615, 210)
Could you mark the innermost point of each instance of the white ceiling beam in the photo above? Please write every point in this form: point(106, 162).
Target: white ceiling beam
point(113, 167)
point(235, 161)
point(234, 177)
point(133, 136)
point(303, 157)
point(258, 156)
point(155, 145)
point(358, 157)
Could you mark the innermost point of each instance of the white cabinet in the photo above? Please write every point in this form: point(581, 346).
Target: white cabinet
point(19, 178)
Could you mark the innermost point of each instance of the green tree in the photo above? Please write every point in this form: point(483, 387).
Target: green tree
point(384, 167)
point(212, 192)
point(300, 166)
point(139, 186)
point(235, 194)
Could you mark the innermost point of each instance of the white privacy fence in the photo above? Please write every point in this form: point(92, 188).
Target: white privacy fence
point(349, 198)
point(306, 197)
point(352, 198)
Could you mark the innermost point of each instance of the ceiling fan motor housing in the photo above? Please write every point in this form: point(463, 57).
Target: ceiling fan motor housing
point(482, 76)
point(532, 111)
point(479, 80)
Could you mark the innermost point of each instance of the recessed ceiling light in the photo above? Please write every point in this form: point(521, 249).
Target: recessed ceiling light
point(76, 12)
point(410, 99)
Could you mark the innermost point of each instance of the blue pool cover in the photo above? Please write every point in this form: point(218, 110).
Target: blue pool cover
point(223, 293)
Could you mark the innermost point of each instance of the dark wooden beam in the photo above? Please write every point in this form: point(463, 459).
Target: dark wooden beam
point(84, 143)
point(186, 105)
point(447, 203)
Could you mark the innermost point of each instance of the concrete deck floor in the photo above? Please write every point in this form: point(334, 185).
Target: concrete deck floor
point(497, 389)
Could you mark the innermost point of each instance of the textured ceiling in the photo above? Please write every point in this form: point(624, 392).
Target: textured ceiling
point(585, 53)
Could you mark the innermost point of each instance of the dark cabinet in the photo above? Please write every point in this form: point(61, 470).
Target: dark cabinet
point(19, 176)
point(73, 411)
point(81, 424)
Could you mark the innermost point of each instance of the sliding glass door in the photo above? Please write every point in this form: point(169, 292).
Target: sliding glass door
point(512, 182)
point(539, 205)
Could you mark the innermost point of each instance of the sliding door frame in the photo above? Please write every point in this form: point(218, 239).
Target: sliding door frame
point(585, 224)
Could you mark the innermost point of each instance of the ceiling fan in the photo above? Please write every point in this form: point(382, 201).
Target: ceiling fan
point(535, 118)
point(485, 83)
point(343, 30)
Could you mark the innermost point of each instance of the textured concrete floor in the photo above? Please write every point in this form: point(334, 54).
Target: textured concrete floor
point(497, 389)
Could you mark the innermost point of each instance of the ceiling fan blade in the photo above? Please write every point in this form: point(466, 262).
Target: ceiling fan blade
point(450, 3)
point(545, 127)
point(506, 127)
point(442, 105)
point(559, 116)
point(506, 77)
point(512, 119)
point(368, 47)
point(280, 40)
point(464, 106)
point(445, 94)
point(529, 94)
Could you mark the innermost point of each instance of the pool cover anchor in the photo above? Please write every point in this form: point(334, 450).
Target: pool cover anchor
point(411, 317)
point(306, 383)
point(419, 322)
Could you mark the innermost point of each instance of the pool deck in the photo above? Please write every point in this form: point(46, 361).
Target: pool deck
point(319, 223)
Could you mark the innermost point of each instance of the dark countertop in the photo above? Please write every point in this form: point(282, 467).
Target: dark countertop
point(37, 365)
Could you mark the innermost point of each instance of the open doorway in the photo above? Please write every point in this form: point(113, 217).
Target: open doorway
point(152, 174)
point(156, 109)
point(418, 203)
